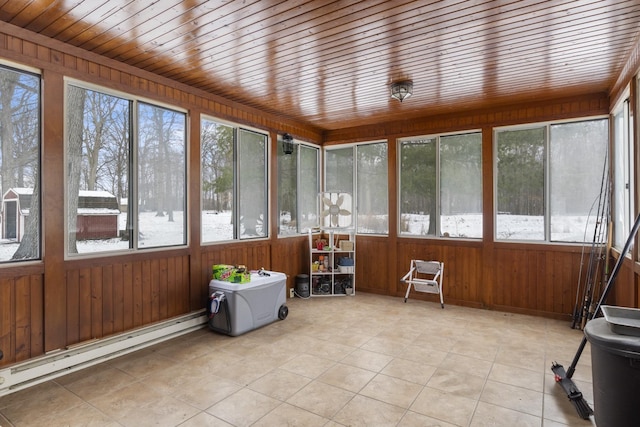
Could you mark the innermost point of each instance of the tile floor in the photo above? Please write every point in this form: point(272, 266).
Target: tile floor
point(366, 360)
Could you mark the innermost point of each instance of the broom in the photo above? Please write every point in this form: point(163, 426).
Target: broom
point(563, 377)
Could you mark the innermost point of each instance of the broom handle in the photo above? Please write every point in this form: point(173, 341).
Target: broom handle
point(606, 291)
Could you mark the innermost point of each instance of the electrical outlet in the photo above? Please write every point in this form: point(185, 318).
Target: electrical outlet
point(291, 294)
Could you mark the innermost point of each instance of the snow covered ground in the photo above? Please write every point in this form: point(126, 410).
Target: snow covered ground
point(216, 226)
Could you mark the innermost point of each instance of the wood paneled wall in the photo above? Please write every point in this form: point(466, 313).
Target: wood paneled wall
point(56, 303)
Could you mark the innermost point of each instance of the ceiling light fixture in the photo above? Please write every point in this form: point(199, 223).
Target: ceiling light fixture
point(287, 143)
point(401, 90)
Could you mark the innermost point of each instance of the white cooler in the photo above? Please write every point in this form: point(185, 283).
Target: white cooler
point(247, 306)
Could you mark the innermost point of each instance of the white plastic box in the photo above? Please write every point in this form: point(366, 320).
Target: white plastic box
point(248, 306)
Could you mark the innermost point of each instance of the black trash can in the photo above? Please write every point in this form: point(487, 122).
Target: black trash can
point(302, 285)
point(615, 364)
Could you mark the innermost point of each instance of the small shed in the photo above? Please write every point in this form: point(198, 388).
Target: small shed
point(16, 204)
point(97, 214)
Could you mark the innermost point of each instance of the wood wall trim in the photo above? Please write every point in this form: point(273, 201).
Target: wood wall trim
point(587, 105)
point(52, 185)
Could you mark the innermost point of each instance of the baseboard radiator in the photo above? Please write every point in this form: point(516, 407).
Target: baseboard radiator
point(61, 362)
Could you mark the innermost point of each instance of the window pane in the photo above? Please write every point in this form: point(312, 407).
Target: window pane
point(339, 170)
point(622, 182)
point(288, 191)
point(418, 208)
point(217, 181)
point(161, 177)
point(20, 165)
point(576, 185)
point(520, 184)
point(309, 188)
point(98, 175)
point(373, 206)
point(252, 184)
point(461, 185)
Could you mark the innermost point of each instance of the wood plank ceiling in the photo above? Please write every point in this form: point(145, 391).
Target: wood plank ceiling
point(329, 63)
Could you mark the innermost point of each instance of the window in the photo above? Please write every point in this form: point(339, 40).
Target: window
point(234, 182)
point(369, 171)
point(125, 189)
point(20, 164)
point(441, 185)
point(298, 187)
point(623, 167)
point(543, 193)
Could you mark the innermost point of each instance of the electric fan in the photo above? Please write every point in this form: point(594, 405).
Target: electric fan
point(336, 210)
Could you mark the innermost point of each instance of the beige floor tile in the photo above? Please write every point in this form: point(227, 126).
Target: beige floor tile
point(386, 345)
point(519, 377)
point(206, 391)
point(444, 406)
point(466, 385)
point(308, 365)
point(413, 419)
point(328, 350)
point(244, 407)
point(512, 397)
point(363, 411)
point(350, 378)
point(144, 365)
point(246, 371)
point(392, 390)
point(335, 362)
point(487, 415)
point(291, 416)
point(94, 383)
point(425, 355)
point(43, 399)
point(475, 347)
point(203, 419)
point(83, 415)
point(118, 404)
point(466, 365)
point(367, 360)
point(165, 411)
point(321, 399)
point(408, 370)
point(279, 384)
point(522, 357)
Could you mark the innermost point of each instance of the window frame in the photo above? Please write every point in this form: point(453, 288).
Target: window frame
point(623, 221)
point(546, 180)
point(235, 215)
point(133, 170)
point(438, 190)
point(36, 73)
point(354, 177)
point(299, 189)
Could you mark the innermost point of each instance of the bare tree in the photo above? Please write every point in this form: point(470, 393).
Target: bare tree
point(75, 119)
point(19, 138)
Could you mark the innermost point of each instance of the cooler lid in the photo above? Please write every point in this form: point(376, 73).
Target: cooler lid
point(256, 281)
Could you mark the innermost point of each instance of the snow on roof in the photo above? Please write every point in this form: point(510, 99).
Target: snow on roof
point(83, 193)
point(97, 193)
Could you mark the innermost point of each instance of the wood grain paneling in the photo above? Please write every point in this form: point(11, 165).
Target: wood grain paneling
point(21, 320)
point(102, 300)
point(462, 269)
point(328, 63)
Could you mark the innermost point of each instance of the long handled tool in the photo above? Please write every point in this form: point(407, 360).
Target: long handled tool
point(564, 378)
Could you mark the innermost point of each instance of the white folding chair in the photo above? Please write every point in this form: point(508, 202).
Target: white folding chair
point(425, 276)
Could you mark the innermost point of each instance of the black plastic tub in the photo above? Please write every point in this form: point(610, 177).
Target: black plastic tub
point(615, 364)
